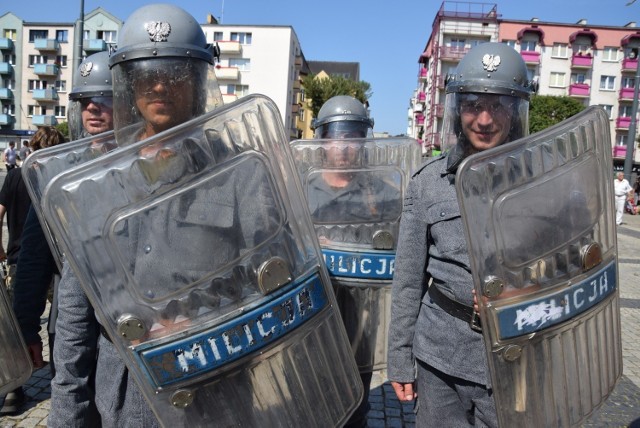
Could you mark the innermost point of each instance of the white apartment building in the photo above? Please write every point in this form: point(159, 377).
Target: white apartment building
point(260, 60)
point(594, 64)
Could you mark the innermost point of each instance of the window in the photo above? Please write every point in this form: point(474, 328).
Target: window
point(582, 49)
point(62, 36)
point(457, 44)
point(624, 111)
point(631, 53)
point(61, 60)
point(10, 33)
point(301, 114)
point(560, 50)
point(628, 82)
point(557, 79)
point(37, 59)
point(243, 38)
point(108, 36)
point(9, 84)
point(243, 64)
point(9, 109)
point(217, 36)
point(60, 111)
point(621, 140)
point(38, 34)
point(87, 35)
point(301, 96)
point(528, 45)
point(578, 78)
point(610, 53)
point(238, 90)
point(61, 85)
point(37, 84)
point(511, 43)
point(607, 83)
point(10, 58)
point(607, 109)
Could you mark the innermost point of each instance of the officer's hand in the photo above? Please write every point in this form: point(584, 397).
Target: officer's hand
point(404, 391)
point(35, 350)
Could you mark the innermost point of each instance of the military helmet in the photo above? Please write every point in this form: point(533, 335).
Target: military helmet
point(491, 68)
point(162, 30)
point(93, 78)
point(342, 115)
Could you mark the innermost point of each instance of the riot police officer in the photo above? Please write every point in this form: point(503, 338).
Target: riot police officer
point(486, 106)
point(91, 99)
point(162, 76)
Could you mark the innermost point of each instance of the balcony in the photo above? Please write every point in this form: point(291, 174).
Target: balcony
point(297, 85)
point(44, 120)
point(295, 108)
point(5, 68)
point(623, 122)
point(6, 44)
point(418, 107)
point(419, 120)
point(620, 152)
point(423, 73)
point(629, 65)
point(442, 82)
point(6, 94)
point(46, 69)
point(530, 57)
point(46, 45)
point(229, 98)
point(579, 90)
point(229, 47)
point(298, 61)
point(227, 73)
point(421, 96)
point(626, 94)
point(447, 53)
point(6, 119)
point(49, 94)
point(94, 45)
point(439, 110)
point(581, 61)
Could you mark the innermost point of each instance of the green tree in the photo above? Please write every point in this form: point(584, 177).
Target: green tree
point(319, 90)
point(63, 127)
point(546, 110)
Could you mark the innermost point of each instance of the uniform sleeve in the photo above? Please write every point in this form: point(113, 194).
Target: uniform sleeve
point(408, 287)
point(34, 273)
point(74, 355)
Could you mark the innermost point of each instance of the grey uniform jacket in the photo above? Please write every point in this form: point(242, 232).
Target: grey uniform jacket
point(81, 355)
point(432, 245)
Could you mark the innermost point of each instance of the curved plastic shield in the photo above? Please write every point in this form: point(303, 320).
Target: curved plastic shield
point(43, 165)
point(354, 189)
point(538, 215)
point(197, 252)
point(15, 362)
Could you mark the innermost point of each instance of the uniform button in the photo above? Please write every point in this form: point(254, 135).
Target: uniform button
point(442, 214)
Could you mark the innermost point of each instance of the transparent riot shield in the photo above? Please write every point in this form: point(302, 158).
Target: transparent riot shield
point(354, 190)
point(198, 255)
point(538, 215)
point(41, 166)
point(15, 362)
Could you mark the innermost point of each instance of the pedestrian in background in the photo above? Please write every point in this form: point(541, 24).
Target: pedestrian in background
point(24, 151)
point(623, 191)
point(10, 156)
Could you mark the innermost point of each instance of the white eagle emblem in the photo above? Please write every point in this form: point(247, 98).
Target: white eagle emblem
point(491, 62)
point(158, 31)
point(85, 68)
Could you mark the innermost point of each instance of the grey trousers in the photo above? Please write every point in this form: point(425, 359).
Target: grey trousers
point(447, 401)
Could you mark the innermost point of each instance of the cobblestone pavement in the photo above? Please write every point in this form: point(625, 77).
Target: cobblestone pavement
point(622, 409)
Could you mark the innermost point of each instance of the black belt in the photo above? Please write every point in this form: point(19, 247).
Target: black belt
point(105, 334)
point(455, 308)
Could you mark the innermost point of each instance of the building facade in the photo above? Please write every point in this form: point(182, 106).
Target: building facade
point(592, 63)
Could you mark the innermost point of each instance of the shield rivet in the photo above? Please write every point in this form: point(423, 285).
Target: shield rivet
point(383, 240)
point(273, 274)
point(131, 328)
point(512, 352)
point(591, 256)
point(493, 287)
point(182, 398)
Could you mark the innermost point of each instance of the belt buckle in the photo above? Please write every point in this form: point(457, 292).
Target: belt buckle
point(474, 323)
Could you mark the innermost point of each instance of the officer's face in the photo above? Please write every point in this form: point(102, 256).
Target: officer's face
point(97, 114)
point(486, 119)
point(164, 101)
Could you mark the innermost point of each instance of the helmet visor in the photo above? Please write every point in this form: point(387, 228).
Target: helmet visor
point(342, 129)
point(90, 116)
point(480, 121)
point(153, 95)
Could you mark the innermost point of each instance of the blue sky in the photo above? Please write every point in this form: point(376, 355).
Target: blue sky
point(386, 38)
